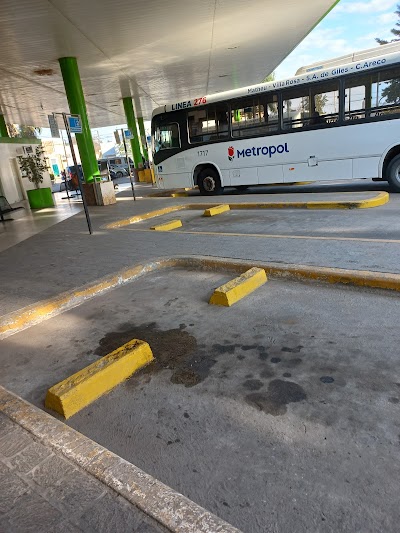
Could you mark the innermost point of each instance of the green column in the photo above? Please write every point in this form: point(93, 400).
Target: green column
point(77, 106)
point(131, 122)
point(3, 127)
point(143, 137)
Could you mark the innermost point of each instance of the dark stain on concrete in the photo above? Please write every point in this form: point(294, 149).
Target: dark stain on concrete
point(170, 302)
point(291, 363)
point(394, 400)
point(280, 393)
point(169, 347)
point(225, 348)
point(252, 384)
point(186, 377)
point(173, 349)
point(275, 360)
point(240, 357)
point(267, 373)
point(292, 350)
point(287, 375)
point(247, 347)
point(326, 379)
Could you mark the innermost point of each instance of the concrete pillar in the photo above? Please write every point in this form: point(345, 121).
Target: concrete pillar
point(3, 127)
point(143, 138)
point(131, 122)
point(77, 106)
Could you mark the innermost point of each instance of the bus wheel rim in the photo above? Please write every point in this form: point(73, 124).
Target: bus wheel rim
point(209, 183)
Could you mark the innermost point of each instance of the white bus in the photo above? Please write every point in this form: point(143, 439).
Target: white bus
point(337, 121)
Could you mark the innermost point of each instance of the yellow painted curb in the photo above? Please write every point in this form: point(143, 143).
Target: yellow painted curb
point(217, 210)
point(179, 194)
point(81, 389)
point(36, 313)
point(380, 199)
point(238, 288)
point(168, 226)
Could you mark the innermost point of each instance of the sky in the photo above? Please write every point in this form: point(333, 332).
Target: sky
point(351, 26)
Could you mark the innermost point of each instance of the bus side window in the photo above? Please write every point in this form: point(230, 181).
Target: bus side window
point(355, 97)
point(385, 93)
point(272, 112)
point(208, 123)
point(325, 104)
point(247, 118)
point(296, 108)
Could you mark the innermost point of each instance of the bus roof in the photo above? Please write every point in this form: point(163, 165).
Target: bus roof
point(357, 62)
point(354, 57)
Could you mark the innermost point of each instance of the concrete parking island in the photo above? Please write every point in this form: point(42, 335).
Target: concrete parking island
point(77, 391)
point(36, 313)
point(380, 199)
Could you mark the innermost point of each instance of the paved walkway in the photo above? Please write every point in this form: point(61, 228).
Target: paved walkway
point(42, 492)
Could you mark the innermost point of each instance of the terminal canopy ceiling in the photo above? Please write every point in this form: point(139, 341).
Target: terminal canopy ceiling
point(156, 51)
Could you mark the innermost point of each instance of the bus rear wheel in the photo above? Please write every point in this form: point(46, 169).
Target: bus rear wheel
point(209, 182)
point(393, 174)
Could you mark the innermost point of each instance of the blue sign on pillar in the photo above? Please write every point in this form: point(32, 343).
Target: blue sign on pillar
point(74, 124)
point(128, 134)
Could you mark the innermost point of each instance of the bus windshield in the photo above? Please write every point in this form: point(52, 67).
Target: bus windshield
point(166, 136)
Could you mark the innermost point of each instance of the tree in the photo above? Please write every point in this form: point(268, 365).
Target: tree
point(391, 93)
point(33, 166)
point(26, 132)
point(270, 77)
point(395, 31)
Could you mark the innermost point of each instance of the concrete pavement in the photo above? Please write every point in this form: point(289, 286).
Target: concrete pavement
point(278, 413)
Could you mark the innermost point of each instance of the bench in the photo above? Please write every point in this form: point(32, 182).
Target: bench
point(5, 208)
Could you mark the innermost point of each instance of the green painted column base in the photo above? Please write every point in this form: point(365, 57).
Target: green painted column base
point(40, 198)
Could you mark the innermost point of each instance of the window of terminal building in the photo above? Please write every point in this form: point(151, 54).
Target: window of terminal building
point(208, 123)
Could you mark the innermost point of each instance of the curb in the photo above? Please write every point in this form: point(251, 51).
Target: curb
point(381, 198)
point(87, 385)
point(236, 289)
point(169, 508)
point(168, 226)
point(42, 310)
point(217, 210)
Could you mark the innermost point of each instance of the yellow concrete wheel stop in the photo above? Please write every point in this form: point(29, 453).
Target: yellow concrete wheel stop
point(217, 210)
point(81, 389)
point(168, 226)
point(238, 288)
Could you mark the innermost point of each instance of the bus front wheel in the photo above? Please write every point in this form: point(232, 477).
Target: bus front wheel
point(393, 174)
point(209, 182)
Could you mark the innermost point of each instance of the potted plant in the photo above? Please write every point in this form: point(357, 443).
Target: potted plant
point(33, 166)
